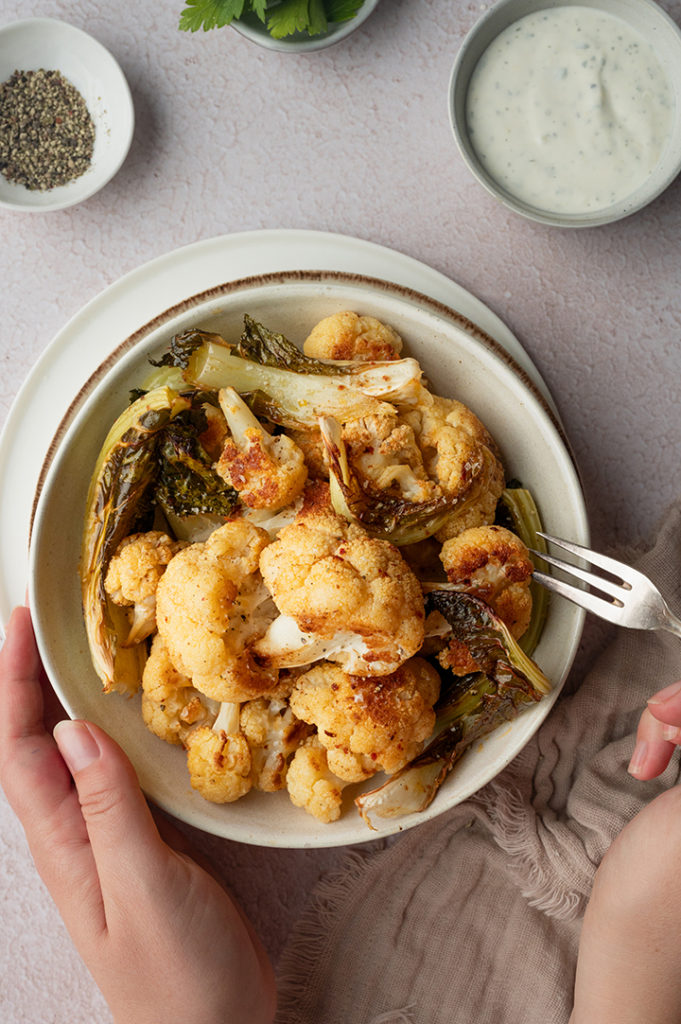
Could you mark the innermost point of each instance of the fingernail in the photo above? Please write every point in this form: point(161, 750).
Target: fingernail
point(671, 733)
point(666, 694)
point(638, 758)
point(76, 745)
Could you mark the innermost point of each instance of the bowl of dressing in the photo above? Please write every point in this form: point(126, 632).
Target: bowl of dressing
point(570, 113)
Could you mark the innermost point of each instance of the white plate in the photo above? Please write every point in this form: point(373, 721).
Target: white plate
point(52, 392)
point(460, 361)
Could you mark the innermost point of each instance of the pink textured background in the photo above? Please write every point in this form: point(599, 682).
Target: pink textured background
point(354, 139)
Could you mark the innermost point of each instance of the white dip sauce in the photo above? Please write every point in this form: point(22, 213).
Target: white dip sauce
point(569, 109)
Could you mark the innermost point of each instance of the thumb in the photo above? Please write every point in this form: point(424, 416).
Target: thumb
point(123, 836)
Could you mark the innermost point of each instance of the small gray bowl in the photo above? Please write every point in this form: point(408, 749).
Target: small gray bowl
point(650, 21)
point(251, 27)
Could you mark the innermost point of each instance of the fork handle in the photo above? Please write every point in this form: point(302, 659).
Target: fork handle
point(671, 623)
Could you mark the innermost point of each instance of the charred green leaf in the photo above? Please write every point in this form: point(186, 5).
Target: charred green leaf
point(271, 349)
point(182, 346)
point(187, 485)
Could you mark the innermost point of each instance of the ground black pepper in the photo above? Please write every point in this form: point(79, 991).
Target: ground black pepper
point(46, 132)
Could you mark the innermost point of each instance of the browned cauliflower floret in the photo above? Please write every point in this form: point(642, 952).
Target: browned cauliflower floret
point(267, 470)
point(492, 564)
point(311, 785)
point(349, 336)
point(368, 724)
point(343, 596)
point(461, 456)
point(384, 455)
point(133, 575)
point(212, 604)
point(274, 734)
point(310, 443)
point(219, 764)
point(171, 707)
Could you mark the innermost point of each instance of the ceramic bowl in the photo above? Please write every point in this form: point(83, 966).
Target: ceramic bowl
point(460, 361)
point(656, 28)
point(251, 27)
point(56, 46)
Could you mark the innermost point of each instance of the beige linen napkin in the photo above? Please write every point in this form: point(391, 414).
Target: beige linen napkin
point(474, 917)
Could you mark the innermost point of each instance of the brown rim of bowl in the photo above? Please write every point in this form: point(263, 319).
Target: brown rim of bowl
point(286, 277)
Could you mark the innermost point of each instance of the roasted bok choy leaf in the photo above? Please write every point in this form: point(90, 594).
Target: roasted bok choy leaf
point(383, 515)
point(473, 706)
point(117, 497)
point(264, 346)
point(187, 484)
point(293, 390)
point(151, 458)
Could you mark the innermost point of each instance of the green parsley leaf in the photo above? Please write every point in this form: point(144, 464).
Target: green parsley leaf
point(207, 14)
point(292, 16)
point(342, 10)
point(260, 8)
point(282, 18)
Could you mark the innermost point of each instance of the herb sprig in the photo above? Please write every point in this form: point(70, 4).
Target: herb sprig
point(281, 19)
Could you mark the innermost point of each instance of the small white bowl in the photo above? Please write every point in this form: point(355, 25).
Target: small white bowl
point(56, 46)
point(253, 29)
point(644, 16)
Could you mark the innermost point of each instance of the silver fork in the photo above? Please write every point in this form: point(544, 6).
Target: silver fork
point(628, 598)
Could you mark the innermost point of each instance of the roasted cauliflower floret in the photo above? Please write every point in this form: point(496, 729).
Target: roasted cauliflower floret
point(368, 724)
point(493, 564)
point(133, 574)
point(312, 785)
point(342, 595)
point(274, 734)
point(349, 336)
point(171, 707)
point(219, 764)
point(384, 454)
point(267, 470)
point(311, 445)
point(211, 604)
point(461, 456)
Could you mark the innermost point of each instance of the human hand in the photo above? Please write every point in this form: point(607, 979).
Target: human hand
point(658, 734)
point(629, 964)
point(161, 937)
point(629, 967)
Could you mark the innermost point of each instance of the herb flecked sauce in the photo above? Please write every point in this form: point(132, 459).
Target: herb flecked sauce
point(569, 109)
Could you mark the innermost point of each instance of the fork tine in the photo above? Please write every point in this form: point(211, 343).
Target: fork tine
point(613, 590)
point(591, 603)
point(611, 565)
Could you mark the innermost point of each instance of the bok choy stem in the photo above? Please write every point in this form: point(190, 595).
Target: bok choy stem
point(524, 514)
